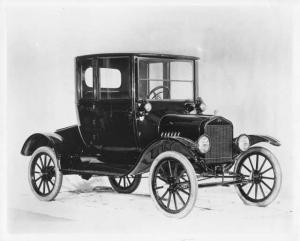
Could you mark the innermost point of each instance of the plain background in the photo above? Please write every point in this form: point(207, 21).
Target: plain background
point(245, 69)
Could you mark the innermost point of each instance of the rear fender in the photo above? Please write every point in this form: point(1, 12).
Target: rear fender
point(182, 145)
point(37, 140)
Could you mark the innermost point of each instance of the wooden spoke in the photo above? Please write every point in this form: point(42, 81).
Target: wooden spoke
point(41, 161)
point(48, 187)
point(180, 198)
point(182, 190)
point(175, 169)
point(44, 187)
point(49, 161)
point(251, 164)
point(120, 179)
point(38, 178)
point(160, 187)
point(256, 165)
point(262, 191)
point(124, 181)
point(184, 178)
point(129, 182)
point(170, 169)
point(267, 170)
point(164, 180)
point(44, 160)
point(266, 185)
point(165, 193)
point(255, 191)
point(243, 165)
point(40, 184)
point(51, 182)
point(175, 203)
point(169, 200)
point(250, 189)
point(262, 165)
point(38, 165)
point(271, 178)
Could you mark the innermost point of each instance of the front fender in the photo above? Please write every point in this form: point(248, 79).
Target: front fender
point(41, 139)
point(258, 138)
point(182, 145)
point(254, 139)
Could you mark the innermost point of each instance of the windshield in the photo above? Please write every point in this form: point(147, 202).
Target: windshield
point(166, 79)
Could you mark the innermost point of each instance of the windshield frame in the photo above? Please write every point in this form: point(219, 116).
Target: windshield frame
point(194, 80)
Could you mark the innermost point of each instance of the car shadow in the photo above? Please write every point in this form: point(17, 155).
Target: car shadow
point(103, 189)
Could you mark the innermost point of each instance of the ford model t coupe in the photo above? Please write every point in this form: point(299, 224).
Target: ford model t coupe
point(141, 113)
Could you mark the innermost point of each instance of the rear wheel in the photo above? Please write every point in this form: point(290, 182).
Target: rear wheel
point(45, 178)
point(173, 184)
point(125, 184)
point(262, 169)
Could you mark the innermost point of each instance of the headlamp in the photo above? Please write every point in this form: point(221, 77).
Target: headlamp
point(243, 142)
point(203, 144)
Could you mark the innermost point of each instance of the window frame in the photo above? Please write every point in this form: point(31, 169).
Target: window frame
point(96, 81)
point(194, 80)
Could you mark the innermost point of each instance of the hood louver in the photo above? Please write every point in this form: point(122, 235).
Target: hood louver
point(170, 134)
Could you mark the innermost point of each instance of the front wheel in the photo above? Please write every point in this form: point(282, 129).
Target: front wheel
point(262, 170)
point(45, 178)
point(173, 184)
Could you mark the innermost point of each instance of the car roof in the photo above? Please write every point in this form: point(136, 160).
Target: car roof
point(153, 55)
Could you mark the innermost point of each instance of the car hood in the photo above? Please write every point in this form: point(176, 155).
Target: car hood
point(188, 126)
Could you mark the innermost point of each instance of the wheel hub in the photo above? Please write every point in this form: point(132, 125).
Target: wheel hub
point(256, 177)
point(47, 174)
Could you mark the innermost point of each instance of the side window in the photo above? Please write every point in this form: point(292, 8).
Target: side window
point(181, 80)
point(114, 78)
point(86, 80)
point(156, 71)
point(88, 77)
point(164, 79)
point(110, 78)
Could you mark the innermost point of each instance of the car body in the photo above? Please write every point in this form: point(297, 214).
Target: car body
point(139, 112)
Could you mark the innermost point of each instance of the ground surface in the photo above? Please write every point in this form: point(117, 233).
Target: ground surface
point(91, 209)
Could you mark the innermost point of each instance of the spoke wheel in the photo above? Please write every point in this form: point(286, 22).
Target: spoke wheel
point(261, 168)
point(45, 179)
point(125, 184)
point(173, 184)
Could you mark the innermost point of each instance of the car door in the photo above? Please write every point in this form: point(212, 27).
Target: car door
point(106, 119)
point(167, 84)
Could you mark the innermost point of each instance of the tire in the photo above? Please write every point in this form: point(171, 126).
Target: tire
point(265, 176)
point(44, 176)
point(125, 184)
point(172, 173)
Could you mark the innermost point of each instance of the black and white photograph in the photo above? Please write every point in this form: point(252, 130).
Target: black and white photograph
point(149, 120)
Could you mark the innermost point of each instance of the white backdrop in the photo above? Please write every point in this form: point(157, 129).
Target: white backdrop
point(244, 69)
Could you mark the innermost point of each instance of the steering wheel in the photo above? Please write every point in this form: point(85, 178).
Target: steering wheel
point(157, 93)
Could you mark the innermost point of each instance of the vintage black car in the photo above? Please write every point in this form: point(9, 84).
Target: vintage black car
point(140, 113)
